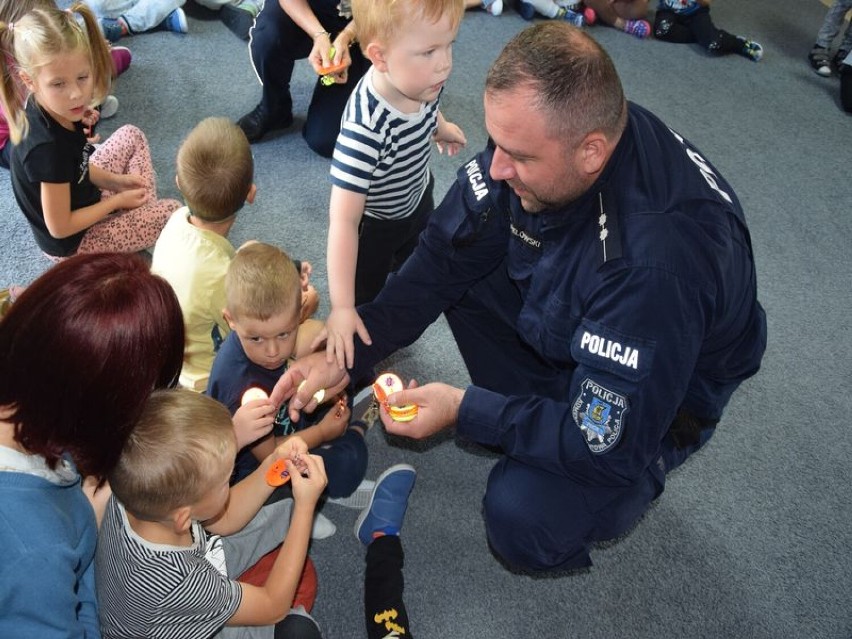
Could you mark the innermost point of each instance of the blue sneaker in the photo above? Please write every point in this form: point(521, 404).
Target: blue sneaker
point(525, 9)
point(111, 29)
point(388, 503)
point(175, 22)
point(573, 17)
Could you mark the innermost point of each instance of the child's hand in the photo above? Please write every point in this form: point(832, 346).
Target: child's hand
point(90, 119)
point(341, 325)
point(305, 274)
point(308, 478)
point(252, 421)
point(334, 424)
point(291, 448)
point(310, 304)
point(126, 200)
point(450, 138)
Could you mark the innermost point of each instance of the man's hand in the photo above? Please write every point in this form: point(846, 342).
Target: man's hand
point(438, 408)
point(317, 374)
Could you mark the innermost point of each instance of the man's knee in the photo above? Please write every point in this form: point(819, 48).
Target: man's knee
point(528, 540)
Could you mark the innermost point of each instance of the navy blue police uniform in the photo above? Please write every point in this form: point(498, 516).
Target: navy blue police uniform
point(603, 339)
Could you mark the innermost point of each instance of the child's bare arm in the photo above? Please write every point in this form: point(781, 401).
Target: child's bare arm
point(61, 221)
point(309, 330)
point(346, 211)
point(248, 495)
point(269, 604)
point(331, 426)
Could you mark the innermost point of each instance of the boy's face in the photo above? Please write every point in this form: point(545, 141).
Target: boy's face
point(419, 59)
point(267, 343)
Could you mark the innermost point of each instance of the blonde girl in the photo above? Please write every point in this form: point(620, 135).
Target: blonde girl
point(76, 198)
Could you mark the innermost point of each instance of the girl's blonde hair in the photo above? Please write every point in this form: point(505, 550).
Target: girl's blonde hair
point(38, 38)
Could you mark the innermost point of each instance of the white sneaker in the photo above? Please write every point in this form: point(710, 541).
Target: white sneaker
point(323, 527)
point(109, 107)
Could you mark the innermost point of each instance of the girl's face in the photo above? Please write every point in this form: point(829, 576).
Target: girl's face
point(63, 87)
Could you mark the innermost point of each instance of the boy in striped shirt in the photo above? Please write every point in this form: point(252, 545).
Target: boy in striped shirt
point(381, 194)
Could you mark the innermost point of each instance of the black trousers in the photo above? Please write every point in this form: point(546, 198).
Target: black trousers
point(276, 42)
point(383, 246)
point(384, 609)
point(696, 27)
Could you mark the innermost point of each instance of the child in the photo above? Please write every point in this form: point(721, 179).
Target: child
point(381, 194)
point(65, 187)
point(819, 56)
point(215, 173)
point(12, 11)
point(162, 568)
point(262, 308)
point(81, 350)
point(624, 15)
point(527, 9)
point(685, 21)
point(119, 18)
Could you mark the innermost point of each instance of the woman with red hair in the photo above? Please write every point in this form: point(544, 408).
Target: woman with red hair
point(80, 351)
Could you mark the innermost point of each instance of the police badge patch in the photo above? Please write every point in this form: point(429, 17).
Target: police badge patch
point(599, 413)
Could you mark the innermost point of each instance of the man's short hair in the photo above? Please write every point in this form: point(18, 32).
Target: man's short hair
point(215, 169)
point(174, 455)
point(261, 282)
point(379, 20)
point(574, 79)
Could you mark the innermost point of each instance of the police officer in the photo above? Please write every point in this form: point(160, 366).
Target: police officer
point(597, 274)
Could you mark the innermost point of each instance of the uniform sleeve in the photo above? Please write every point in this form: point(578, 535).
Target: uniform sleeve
point(464, 241)
point(635, 350)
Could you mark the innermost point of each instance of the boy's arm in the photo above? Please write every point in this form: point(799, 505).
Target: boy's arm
point(448, 136)
point(269, 604)
point(248, 495)
point(346, 211)
point(309, 330)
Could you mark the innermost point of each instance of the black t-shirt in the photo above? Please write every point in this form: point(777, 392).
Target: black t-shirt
point(51, 153)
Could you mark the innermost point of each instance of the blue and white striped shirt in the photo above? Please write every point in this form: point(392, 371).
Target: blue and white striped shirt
point(383, 152)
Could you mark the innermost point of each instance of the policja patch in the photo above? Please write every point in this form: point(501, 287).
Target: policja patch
point(599, 413)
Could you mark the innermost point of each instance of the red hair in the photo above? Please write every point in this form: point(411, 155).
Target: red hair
point(80, 352)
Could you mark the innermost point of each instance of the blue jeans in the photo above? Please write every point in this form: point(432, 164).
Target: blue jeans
point(140, 15)
point(831, 26)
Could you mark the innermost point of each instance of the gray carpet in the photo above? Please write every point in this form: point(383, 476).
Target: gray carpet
point(751, 537)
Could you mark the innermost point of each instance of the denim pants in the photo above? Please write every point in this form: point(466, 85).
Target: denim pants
point(140, 15)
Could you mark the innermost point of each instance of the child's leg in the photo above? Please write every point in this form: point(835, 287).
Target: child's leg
point(126, 151)
point(145, 16)
point(832, 23)
point(418, 220)
point(716, 41)
point(263, 533)
point(384, 608)
point(345, 460)
point(669, 28)
point(376, 239)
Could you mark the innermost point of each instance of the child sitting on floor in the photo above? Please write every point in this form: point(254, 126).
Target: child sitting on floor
point(262, 307)
point(175, 535)
point(215, 174)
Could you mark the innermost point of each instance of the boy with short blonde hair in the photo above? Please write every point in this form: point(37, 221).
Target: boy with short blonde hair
point(162, 568)
point(263, 307)
point(215, 172)
point(381, 195)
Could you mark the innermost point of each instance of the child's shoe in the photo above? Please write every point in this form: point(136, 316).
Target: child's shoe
point(818, 57)
point(752, 50)
point(112, 29)
point(494, 7)
point(639, 28)
point(838, 59)
point(109, 107)
point(388, 503)
point(175, 22)
point(590, 16)
point(525, 9)
point(570, 16)
point(239, 19)
point(359, 499)
point(121, 58)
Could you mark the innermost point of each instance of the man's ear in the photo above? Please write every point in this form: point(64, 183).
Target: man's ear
point(181, 519)
point(375, 53)
point(594, 152)
point(251, 194)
